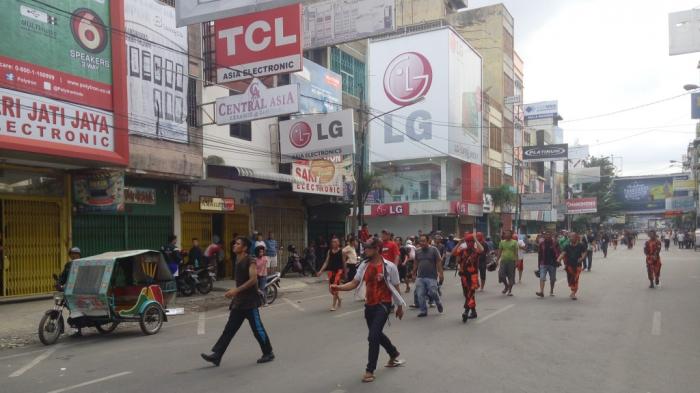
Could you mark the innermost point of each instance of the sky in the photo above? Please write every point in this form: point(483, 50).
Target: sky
point(601, 56)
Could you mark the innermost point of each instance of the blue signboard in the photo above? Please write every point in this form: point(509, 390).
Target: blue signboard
point(320, 89)
point(646, 194)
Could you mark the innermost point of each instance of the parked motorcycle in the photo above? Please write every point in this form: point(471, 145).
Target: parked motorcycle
point(270, 291)
point(190, 280)
point(296, 264)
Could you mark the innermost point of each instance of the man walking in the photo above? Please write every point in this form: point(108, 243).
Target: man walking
point(652, 249)
point(507, 253)
point(590, 244)
point(547, 257)
point(244, 305)
point(381, 278)
point(573, 255)
point(467, 253)
point(428, 270)
point(271, 250)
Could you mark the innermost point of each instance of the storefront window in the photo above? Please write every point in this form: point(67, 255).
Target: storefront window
point(14, 181)
point(404, 183)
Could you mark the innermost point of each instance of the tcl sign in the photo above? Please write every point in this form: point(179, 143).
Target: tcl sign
point(390, 209)
point(259, 44)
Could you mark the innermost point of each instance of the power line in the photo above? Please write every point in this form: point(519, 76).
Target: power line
point(627, 109)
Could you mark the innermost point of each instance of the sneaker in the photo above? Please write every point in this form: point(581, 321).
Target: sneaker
point(423, 314)
point(212, 358)
point(266, 358)
point(440, 308)
point(395, 362)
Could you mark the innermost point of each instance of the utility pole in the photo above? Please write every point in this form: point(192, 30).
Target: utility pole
point(359, 189)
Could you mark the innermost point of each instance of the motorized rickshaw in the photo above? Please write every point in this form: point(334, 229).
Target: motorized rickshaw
point(105, 290)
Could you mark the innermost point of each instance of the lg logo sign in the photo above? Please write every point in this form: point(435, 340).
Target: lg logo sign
point(390, 209)
point(407, 78)
point(259, 44)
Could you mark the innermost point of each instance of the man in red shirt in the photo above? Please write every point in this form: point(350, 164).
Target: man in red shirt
point(364, 233)
point(382, 281)
point(390, 251)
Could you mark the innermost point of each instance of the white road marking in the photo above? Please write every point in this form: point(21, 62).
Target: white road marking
point(80, 385)
point(349, 313)
point(21, 354)
point(34, 362)
point(202, 319)
point(656, 324)
point(493, 314)
point(291, 303)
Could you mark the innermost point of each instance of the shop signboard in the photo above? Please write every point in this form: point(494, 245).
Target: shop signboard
point(431, 84)
point(139, 196)
point(257, 102)
point(558, 152)
point(158, 65)
point(315, 137)
point(331, 22)
point(684, 184)
point(197, 11)
point(581, 205)
point(680, 203)
point(541, 110)
point(321, 89)
point(217, 204)
point(419, 208)
point(536, 202)
point(63, 51)
point(258, 44)
point(584, 175)
point(323, 177)
point(390, 209)
point(98, 191)
point(462, 208)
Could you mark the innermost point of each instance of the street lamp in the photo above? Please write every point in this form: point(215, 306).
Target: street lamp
point(690, 87)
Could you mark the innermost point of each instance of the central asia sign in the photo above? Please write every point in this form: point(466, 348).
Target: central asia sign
point(258, 44)
point(48, 122)
point(258, 102)
point(314, 137)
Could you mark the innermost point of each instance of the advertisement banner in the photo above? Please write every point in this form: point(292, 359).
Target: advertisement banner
point(314, 137)
point(581, 205)
point(461, 208)
point(536, 202)
point(158, 69)
point(680, 203)
point(258, 44)
point(541, 110)
point(545, 153)
point(197, 11)
point(216, 204)
point(578, 153)
point(436, 77)
point(323, 177)
point(584, 175)
point(390, 209)
point(139, 196)
point(98, 191)
point(257, 102)
point(331, 22)
point(647, 193)
point(53, 124)
point(682, 184)
point(321, 89)
point(65, 55)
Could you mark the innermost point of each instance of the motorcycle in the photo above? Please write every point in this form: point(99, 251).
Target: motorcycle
point(201, 280)
point(184, 281)
point(295, 264)
point(269, 293)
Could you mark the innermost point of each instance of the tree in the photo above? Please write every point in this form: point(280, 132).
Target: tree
point(604, 190)
point(502, 196)
point(369, 182)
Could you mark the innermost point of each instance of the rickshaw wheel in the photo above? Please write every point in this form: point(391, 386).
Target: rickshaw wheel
point(50, 329)
point(107, 327)
point(151, 319)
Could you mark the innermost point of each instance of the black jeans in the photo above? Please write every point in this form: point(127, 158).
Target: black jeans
point(352, 270)
point(235, 320)
point(376, 317)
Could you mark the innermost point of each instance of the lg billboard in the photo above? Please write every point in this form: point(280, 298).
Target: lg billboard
point(436, 77)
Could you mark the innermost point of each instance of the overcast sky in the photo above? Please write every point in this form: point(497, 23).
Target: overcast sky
point(600, 56)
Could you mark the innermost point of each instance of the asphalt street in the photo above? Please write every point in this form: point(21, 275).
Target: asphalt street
point(620, 336)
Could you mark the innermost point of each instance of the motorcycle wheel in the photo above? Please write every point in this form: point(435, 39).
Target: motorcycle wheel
point(205, 285)
point(50, 329)
point(270, 294)
point(107, 327)
point(186, 289)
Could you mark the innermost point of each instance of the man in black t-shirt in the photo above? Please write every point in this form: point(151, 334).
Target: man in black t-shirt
point(573, 255)
point(244, 305)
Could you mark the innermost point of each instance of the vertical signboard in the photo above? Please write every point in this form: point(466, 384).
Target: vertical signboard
point(258, 44)
point(157, 66)
point(434, 76)
point(321, 89)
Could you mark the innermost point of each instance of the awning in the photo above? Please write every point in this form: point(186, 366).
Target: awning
point(237, 172)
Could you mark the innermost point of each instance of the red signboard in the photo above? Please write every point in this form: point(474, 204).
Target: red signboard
point(390, 209)
point(259, 44)
point(581, 205)
point(472, 183)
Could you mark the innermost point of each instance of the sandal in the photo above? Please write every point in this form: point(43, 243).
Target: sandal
point(368, 378)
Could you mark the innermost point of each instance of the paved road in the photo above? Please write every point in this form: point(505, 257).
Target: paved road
point(619, 336)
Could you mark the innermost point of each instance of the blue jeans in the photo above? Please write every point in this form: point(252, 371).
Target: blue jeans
point(426, 288)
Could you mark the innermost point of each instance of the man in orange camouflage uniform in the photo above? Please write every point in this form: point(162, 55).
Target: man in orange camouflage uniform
point(652, 248)
point(468, 251)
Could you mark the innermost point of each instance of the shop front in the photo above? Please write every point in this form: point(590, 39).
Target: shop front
point(34, 216)
point(283, 214)
point(112, 212)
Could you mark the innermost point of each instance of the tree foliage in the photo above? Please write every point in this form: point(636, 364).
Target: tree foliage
point(502, 196)
point(604, 190)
